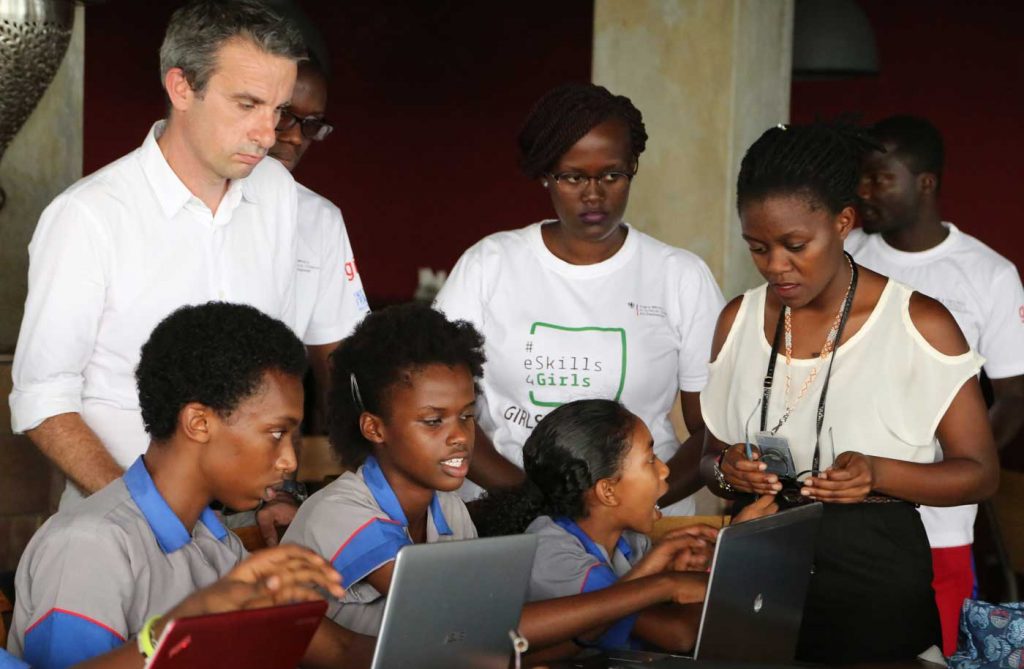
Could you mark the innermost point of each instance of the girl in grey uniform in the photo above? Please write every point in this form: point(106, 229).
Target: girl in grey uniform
point(220, 391)
point(402, 405)
point(593, 482)
point(403, 402)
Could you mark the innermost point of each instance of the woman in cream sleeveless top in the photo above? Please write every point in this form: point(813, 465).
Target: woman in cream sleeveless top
point(888, 389)
point(878, 377)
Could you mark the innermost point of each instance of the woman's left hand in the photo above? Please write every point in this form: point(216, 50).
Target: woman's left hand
point(849, 480)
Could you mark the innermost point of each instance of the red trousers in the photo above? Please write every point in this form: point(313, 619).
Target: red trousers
point(953, 582)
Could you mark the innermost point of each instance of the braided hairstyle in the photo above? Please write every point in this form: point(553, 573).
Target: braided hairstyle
point(385, 349)
point(573, 448)
point(567, 113)
point(820, 161)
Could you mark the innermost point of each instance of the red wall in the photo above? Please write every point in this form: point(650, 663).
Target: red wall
point(961, 65)
point(426, 99)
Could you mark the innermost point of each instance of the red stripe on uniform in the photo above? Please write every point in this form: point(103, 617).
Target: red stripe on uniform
point(360, 529)
point(76, 615)
point(587, 575)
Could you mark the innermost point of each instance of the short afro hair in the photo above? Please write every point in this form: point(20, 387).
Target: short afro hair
point(564, 115)
point(915, 141)
point(383, 350)
point(215, 354)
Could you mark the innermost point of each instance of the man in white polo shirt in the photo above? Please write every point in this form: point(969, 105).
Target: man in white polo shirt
point(194, 214)
point(904, 237)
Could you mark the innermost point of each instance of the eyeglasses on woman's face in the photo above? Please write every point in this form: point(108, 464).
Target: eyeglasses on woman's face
point(576, 181)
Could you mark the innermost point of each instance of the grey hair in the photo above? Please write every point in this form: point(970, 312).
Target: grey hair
point(197, 31)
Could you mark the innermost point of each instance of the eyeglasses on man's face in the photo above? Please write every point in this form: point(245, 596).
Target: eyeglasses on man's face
point(575, 181)
point(311, 127)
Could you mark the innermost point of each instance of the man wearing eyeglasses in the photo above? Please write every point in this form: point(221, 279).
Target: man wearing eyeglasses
point(195, 214)
point(329, 291)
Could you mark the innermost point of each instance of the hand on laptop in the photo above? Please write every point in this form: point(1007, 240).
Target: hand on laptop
point(689, 587)
point(281, 575)
point(764, 505)
point(684, 549)
point(289, 573)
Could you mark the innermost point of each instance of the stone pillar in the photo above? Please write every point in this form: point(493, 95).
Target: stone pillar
point(709, 76)
point(44, 158)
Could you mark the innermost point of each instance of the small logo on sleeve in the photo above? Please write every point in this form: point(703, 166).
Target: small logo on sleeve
point(351, 271)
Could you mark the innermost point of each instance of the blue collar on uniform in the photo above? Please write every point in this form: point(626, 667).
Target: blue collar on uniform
point(570, 526)
point(385, 496)
point(169, 531)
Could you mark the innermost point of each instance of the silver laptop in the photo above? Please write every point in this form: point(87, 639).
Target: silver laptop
point(755, 598)
point(453, 604)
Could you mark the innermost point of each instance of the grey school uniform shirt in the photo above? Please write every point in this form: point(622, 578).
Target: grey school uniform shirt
point(568, 562)
point(358, 525)
point(91, 576)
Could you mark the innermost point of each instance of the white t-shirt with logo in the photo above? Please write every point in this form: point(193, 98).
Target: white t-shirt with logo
point(982, 290)
point(635, 328)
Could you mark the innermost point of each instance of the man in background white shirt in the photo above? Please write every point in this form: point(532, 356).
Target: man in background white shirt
point(904, 237)
point(195, 214)
point(328, 279)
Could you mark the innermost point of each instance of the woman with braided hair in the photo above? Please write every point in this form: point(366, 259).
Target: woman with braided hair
point(833, 383)
point(584, 305)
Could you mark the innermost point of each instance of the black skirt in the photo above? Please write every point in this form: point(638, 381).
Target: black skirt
point(870, 597)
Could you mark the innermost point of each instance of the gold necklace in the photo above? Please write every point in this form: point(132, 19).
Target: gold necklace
point(826, 351)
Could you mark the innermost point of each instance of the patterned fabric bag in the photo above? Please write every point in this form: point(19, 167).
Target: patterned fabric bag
point(991, 636)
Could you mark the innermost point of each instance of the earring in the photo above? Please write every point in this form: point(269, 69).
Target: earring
point(544, 183)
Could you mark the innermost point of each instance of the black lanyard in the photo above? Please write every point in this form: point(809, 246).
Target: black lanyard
point(769, 376)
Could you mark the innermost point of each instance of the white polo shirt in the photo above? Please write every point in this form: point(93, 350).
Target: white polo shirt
point(117, 252)
point(982, 290)
point(330, 300)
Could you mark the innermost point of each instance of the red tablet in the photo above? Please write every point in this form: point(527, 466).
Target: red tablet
point(270, 638)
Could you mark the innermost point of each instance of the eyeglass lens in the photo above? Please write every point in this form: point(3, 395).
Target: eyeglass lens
point(311, 127)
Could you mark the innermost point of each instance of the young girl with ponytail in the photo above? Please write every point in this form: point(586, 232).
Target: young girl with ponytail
point(592, 486)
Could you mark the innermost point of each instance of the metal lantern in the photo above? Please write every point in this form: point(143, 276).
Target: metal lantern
point(34, 36)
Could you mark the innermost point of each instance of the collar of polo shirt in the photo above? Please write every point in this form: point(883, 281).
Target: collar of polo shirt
point(169, 531)
point(169, 190)
point(388, 502)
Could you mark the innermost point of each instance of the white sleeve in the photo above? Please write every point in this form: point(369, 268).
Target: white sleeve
point(66, 295)
point(1002, 338)
point(462, 295)
point(700, 302)
point(340, 300)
